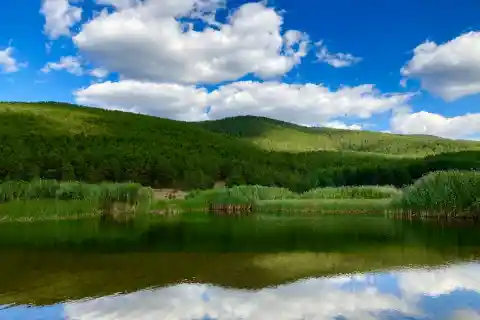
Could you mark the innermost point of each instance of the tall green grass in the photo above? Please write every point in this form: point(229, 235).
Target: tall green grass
point(241, 194)
point(107, 197)
point(47, 209)
point(370, 199)
point(352, 192)
point(322, 206)
point(443, 193)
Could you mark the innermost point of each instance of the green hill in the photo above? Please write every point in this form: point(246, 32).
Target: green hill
point(63, 142)
point(277, 135)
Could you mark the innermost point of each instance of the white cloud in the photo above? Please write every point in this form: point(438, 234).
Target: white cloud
point(341, 125)
point(69, 63)
point(99, 73)
point(59, 15)
point(73, 65)
point(160, 99)
point(8, 63)
point(300, 103)
point(336, 60)
point(423, 122)
point(309, 299)
point(308, 103)
point(450, 70)
point(147, 42)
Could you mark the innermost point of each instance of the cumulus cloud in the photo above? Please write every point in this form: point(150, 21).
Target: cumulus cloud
point(464, 126)
point(59, 15)
point(307, 103)
point(450, 70)
point(147, 41)
point(69, 63)
point(8, 63)
point(336, 60)
point(310, 299)
point(172, 101)
point(300, 103)
point(74, 66)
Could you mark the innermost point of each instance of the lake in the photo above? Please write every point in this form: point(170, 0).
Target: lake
point(258, 267)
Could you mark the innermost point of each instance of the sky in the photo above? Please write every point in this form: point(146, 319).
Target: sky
point(450, 292)
point(410, 67)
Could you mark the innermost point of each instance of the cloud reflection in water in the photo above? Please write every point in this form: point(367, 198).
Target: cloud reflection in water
point(451, 292)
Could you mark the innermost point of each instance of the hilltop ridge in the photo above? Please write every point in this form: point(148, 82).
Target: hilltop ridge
point(278, 135)
point(265, 133)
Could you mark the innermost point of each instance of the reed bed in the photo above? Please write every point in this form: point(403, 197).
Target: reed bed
point(262, 199)
point(47, 209)
point(238, 199)
point(352, 192)
point(323, 206)
point(21, 197)
point(447, 194)
point(242, 193)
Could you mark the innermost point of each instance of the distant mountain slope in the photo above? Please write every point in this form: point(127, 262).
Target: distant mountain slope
point(62, 141)
point(283, 136)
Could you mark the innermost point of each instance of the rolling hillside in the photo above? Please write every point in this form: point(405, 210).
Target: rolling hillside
point(62, 141)
point(277, 135)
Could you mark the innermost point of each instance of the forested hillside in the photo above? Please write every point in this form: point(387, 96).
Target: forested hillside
point(69, 142)
point(277, 135)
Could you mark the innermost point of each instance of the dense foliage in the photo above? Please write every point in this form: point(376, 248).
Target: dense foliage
point(65, 142)
point(444, 192)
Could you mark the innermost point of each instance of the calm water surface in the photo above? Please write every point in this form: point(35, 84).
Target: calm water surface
point(251, 268)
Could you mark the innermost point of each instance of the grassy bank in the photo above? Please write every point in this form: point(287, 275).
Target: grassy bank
point(438, 194)
point(362, 199)
point(50, 199)
point(47, 209)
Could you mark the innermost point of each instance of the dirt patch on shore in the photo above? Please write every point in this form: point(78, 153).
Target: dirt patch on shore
point(163, 194)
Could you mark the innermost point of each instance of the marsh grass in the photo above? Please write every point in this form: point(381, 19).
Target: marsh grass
point(343, 199)
point(242, 193)
point(322, 206)
point(441, 194)
point(47, 209)
point(352, 192)
point(27, 199)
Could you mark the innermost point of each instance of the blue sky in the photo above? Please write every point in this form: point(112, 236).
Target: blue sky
point(334, 63)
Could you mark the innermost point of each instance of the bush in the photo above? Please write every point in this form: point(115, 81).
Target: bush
point(442, 192)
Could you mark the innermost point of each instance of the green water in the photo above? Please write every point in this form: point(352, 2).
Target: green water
point(53, 263)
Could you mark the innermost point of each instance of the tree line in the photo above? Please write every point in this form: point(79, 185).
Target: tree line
point(188, 162)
